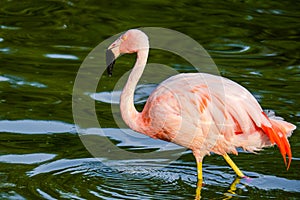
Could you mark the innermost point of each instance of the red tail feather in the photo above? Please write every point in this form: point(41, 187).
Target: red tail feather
point(278, 134)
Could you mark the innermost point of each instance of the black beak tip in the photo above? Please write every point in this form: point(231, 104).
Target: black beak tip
point(110, 61)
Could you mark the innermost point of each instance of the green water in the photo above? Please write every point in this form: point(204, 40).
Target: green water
point(42, 45)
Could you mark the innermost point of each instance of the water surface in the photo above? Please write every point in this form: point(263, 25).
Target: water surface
point(43, 43)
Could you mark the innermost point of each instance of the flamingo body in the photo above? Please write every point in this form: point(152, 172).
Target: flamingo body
point(208, 113)
point(203, 112)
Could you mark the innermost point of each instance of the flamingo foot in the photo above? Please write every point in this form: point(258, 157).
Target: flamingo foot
point(247, 179)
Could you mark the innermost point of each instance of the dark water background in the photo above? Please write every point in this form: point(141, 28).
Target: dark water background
point(42, 45)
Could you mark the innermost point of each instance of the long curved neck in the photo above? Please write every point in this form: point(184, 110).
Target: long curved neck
point(129, 113)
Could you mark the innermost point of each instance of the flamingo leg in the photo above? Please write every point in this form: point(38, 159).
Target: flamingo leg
point(199, 170)
point(233, 166)
point(198, 189)
point(200, 181)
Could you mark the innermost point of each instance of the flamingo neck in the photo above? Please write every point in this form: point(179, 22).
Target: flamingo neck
point(128, 111)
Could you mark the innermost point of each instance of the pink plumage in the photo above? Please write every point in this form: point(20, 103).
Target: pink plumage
point(212, 114)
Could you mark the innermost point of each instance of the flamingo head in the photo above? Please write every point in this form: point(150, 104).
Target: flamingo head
point(132, 41)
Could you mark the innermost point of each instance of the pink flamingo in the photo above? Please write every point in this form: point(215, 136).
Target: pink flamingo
point(203, 112)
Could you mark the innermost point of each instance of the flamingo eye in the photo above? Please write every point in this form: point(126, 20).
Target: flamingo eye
point(124, 37)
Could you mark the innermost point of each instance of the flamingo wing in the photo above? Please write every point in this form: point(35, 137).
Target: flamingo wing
point(198, 110)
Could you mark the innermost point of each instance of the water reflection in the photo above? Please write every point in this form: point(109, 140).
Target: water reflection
point(229, 48)
point(140, 96)
point(179, 173)
point(5, 50)
point(140, 173)
point(62, 56)
point(28, 126)
point(9, 27)
point(18, 81)
point(34, 158)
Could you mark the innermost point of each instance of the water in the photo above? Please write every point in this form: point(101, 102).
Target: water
point(43, 43)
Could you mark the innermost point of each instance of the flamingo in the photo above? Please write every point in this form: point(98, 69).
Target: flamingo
point(202, 112)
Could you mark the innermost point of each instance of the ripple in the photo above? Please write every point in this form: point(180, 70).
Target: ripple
point(124, 137)
point(18, 81)
point(11, 195)
point(230, 48)
point(28, 126)
point(44, 194)
point(33, 158)
point(131, 179)
point(131, 139)
point(72, 47)
point(5, 50)
point(270, 11)
point(87, 178)
point(113, 97)
point(62, 56)
point(9, 27)
point(2, 78)
point(268, 182)
point(73, 166)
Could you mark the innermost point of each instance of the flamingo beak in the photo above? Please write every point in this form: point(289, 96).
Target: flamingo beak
point(112, 53)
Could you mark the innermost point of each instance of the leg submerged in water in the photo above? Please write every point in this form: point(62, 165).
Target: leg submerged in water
point(199, 177)
point(200, 181)
point(198, 189)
